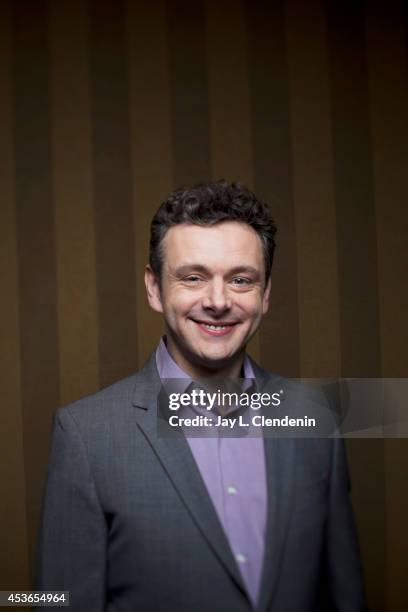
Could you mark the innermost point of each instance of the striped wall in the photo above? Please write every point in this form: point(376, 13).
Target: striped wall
point(105, 107)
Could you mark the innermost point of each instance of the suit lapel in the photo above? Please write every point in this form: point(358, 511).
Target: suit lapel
point(280, 459)
point(280, 456)
point(176, 458)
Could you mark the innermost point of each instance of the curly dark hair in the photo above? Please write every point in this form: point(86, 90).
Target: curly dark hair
point(207, 204)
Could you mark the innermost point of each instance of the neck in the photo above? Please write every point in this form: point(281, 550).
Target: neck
point(195, 369)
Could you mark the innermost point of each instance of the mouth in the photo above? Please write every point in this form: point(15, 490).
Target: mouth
point(216, 329)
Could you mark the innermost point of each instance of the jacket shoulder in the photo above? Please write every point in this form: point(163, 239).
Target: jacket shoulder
point(105, 404)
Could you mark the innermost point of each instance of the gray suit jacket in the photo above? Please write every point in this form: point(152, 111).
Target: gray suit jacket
point(128, 525)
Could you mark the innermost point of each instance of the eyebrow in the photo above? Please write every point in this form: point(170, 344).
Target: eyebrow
point(186, 268)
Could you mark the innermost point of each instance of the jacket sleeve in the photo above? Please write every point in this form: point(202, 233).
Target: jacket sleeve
point(344, 570)
point(71, 552)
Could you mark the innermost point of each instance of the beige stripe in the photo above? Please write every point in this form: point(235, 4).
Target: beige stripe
point(230, 133)
point(151, 144)
point(72, 183)
point(13, 533)
point(313, 189)
point(387, 70)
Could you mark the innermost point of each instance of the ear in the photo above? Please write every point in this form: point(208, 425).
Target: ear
point(265, 297)
point(153, 290)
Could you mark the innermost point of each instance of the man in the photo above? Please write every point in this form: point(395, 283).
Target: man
point(137, 520)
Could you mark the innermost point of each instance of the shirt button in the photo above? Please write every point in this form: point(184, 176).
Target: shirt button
point(232, 490)
point(240, 558)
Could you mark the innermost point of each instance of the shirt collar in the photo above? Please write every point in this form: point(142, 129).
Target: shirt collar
point(168, 368)
point(176, 380)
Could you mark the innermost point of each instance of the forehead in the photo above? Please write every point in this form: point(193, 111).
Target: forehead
point(228, 243)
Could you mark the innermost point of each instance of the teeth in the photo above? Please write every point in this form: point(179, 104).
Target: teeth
point(216, 327)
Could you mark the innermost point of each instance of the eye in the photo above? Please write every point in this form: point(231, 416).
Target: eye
point(193, 279)
point(240, 281)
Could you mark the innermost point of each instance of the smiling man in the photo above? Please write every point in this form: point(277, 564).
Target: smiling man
point(136, 520)
point(212, 291)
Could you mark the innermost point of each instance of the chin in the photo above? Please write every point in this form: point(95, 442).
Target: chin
point(212, 360)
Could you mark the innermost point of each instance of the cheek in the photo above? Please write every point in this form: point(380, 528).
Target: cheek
point(251, 305)
point(181, 303)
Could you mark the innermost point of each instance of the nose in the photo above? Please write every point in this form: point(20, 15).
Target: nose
point(217, 298)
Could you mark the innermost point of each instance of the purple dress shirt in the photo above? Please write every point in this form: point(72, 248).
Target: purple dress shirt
point(233, 470)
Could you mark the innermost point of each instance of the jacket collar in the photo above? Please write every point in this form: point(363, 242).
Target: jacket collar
point(147, 384)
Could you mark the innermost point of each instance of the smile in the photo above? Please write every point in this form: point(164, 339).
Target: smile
point(215, 330)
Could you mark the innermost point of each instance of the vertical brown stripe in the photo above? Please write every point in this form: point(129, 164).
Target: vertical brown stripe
point(13, 534)
point(36, 244)
point(228, 83)
point(387, 68)
point(313, 189)
point(151, 144)
point(189, 93)
point(368, 488)
point(396, 460)
point(112, 191)
point(388, 87)
point(77, 312)
point(357, 260)
point(273, 177)
point(356, 226)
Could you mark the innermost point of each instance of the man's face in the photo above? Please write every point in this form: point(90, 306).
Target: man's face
point(212, 294)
